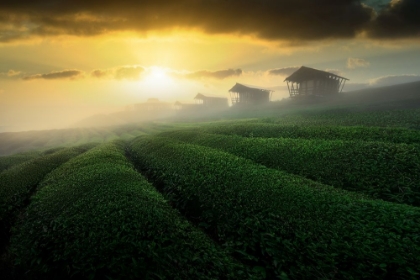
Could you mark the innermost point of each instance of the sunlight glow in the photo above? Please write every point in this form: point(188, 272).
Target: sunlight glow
point(157, 75)
point(156, 82)
point(156, 78)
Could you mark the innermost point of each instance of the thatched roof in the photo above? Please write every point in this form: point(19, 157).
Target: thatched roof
point(250, 89)
point(202, 97)
point(305, 73)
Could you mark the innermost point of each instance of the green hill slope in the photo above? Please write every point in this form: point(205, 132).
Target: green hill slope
point(96, 217)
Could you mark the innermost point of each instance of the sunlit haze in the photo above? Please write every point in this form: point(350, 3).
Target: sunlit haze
point(64, 61)
point(210, 139)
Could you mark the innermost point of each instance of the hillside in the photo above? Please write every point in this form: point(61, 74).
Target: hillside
point(330, 192)
point(17, 142)
point(401, 96)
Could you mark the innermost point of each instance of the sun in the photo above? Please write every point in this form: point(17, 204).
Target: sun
point(158, 73)
point(156, 82)
point(157, 77)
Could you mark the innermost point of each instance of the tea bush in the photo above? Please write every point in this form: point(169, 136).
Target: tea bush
point(279, 222)
point(356, 133)
point(96, 217)
point(19, 182)
point(8, 161)
point(381, 170)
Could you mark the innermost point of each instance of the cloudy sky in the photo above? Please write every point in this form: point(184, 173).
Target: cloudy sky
point(63, 60)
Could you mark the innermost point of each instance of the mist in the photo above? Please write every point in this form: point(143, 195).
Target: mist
point(72, 68)
point(61, 108)
point(269, 139)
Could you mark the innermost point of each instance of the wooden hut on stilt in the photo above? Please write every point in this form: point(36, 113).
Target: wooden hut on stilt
point(249, 95)
point(211, 101)
point(312, 82)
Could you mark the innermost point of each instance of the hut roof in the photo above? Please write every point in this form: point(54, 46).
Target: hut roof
point(247, 88)
point(305, 73)
point(201, 96)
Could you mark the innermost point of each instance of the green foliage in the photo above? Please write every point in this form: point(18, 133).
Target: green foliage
point(8, 161)
point(408, 118)
point(348, 133)
point(18, 183)
point(56, 149)
point(126, 136)
point(381, 170)
point(278, 222)
point(96, 217)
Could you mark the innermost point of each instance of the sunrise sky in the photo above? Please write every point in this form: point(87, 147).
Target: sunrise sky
point(64, 60)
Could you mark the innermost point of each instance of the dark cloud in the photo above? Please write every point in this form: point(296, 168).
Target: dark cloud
point(120, 73)
point(286, 71)
point(221, 74)
point(394, 79)
point(353, 63)
point(129, 72)
point(11, 74)
point(399, 19)
point(65, 74)
point(377, 4)
point(98, 73)
point(269, 19)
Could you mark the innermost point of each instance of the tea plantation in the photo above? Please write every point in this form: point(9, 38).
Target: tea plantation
point(310, 196)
